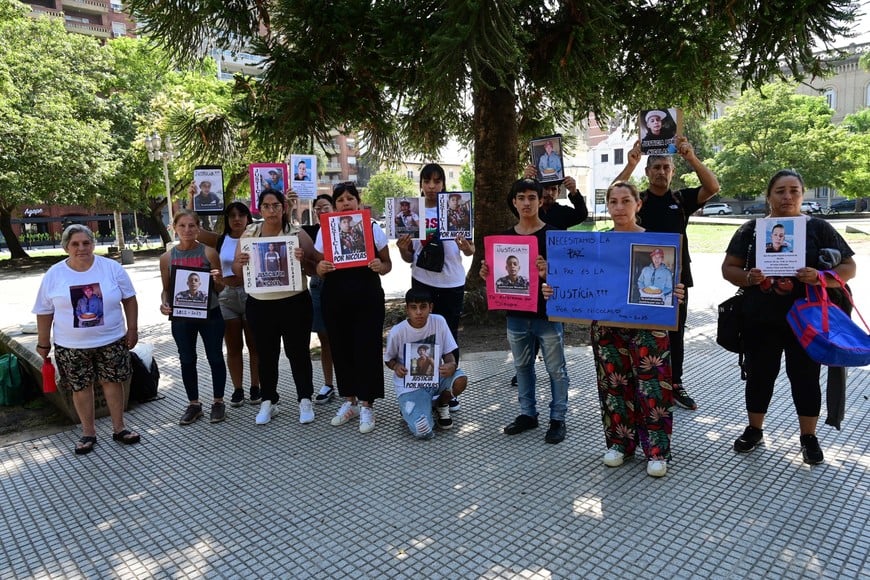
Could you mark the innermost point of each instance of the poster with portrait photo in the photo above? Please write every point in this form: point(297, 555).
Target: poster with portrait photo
point(272, 265)
point(455, 214)
point(422, 361)
point(348, 241)
point(208, 181)
point(266, 177)
point(653, 276)
point(546, 155)
point(189, 292)
point(303, 171)
point(781, 245)
point(87, 303)
point(513, 281)
point(402, 216)
point(658, 129)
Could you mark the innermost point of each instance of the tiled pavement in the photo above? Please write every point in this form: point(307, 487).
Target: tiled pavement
point(315, 501)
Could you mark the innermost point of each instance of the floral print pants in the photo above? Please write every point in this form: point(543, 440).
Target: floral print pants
point(634, 389)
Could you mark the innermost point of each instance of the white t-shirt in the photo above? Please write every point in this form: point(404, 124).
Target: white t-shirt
point(61, 289)
point(378, 236)
point(452, 274)
point(435, 331)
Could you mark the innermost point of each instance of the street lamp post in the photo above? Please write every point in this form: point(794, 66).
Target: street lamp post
point(164, 152)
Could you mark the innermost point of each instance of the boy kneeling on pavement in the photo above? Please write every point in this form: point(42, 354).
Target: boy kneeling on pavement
point(416, 403)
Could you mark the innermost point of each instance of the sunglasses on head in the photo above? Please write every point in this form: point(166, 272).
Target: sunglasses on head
point(344, 184)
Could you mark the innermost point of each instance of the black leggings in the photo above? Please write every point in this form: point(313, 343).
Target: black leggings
point(765, 343)
point(677, 338)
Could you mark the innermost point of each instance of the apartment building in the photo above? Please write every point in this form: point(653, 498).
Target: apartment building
point(102, 19)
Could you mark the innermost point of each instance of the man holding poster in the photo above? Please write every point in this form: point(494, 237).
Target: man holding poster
point(526, 328)
point(664, 210)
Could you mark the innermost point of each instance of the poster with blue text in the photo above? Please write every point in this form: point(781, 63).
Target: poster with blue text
point(617, 278)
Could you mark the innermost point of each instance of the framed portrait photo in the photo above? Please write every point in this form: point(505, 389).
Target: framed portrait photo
point(545, 154)
point(348, 241)
point(402, 216)
point(658, 130)
point(266, 177)
point(455, 214)
point(271, 266)
point(513, 276)
point(209, 183)
point(303, 175)
point(781, 247)
point(190, 292)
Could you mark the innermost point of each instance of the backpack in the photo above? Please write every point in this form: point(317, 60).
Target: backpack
point(11, 391)
point(144, 381)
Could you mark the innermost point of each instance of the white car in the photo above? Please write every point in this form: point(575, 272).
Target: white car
point(717, 209)
point(810, 207)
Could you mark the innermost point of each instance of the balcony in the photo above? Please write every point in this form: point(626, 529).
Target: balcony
point(88, 29)
point(332, 168)
point(87, 6)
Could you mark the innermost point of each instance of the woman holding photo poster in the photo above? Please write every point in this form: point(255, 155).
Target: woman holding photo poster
point(281, 316)
point(767, 300)
point(353, 309)
point(633, 368)
point(447, 286)
point(192, 254)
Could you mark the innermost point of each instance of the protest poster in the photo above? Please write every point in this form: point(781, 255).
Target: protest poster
point(545, 154)
point(348, 241)
point(208, 181)
point(272, 266)
point(402, 216)
point(617, 278)
point(304, 181)
point(190, 290)
point(455, 215)
point(513, 281)
point(781, 245)
point(266, 177)
point(421, 361)
point(659, 129)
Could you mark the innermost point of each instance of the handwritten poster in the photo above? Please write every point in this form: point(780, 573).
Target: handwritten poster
point(513, 277)
point(422, 360)
point(781, 245)
point(271, 267)
point(455, 215)
point(616, 278)
point(348, 241)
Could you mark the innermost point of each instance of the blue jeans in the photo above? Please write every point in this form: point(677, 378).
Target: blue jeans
point(522, 333)
point(184, 331)
point(416, 406)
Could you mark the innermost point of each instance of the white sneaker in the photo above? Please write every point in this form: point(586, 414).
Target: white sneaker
point(346, 412)
point(613, 458)
point(657, 468)
point(306, 411)
point(267, 411)
point(366, 420)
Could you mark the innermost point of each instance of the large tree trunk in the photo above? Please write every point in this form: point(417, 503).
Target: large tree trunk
point(495, 168)
point(12, 242)
point(155, 215)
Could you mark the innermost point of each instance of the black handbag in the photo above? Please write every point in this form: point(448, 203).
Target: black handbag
point(729, 327)
point(431, 257)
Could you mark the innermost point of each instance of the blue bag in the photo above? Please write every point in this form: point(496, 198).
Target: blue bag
point(826, 333)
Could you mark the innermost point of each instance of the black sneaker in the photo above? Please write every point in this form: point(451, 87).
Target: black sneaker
point(326, 394)
point(811, 450)
point(520, 424)
point(191, 414)
point(683, 399)
point(454, 405)
point(218, 413)
point(750, 439)
point(238, 398)
point(514, 381)
point(556, 432)
point(256, 398)
point(442, 417)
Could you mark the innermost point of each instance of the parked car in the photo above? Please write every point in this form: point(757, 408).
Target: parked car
point(810, 207)
point(717, 209)
point(847, 206)
point(755, 208)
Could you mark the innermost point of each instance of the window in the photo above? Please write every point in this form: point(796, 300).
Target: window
point(618, 157)
point(119, 29)
point(605, 158)
point(450, 174)
point(831, 98)
point(867, 96)
point(116, 6)
point(410, 174)
point(351, 160)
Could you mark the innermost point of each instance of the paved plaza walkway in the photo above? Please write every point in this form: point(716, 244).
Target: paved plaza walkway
point(284, 500)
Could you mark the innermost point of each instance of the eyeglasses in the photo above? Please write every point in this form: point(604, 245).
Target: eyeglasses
point(270, 206)
point(338, 186)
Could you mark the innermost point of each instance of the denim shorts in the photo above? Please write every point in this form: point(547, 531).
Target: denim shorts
point(79, 367)
point(416, 406)
point(232, 302)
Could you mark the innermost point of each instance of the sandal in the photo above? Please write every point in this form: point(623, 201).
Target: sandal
point(126, 437)
point(85, 445)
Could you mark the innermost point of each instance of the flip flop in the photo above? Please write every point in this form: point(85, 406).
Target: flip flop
point(85, 445)
point(126, 437)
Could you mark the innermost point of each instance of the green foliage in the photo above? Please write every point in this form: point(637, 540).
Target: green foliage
point(855, 180)
point(769, 130)
point(384, 185)
point(466, 176)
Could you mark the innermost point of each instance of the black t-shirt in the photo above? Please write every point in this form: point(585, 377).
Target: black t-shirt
point(541, 234)
point(669, 213)
point(773, 306)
